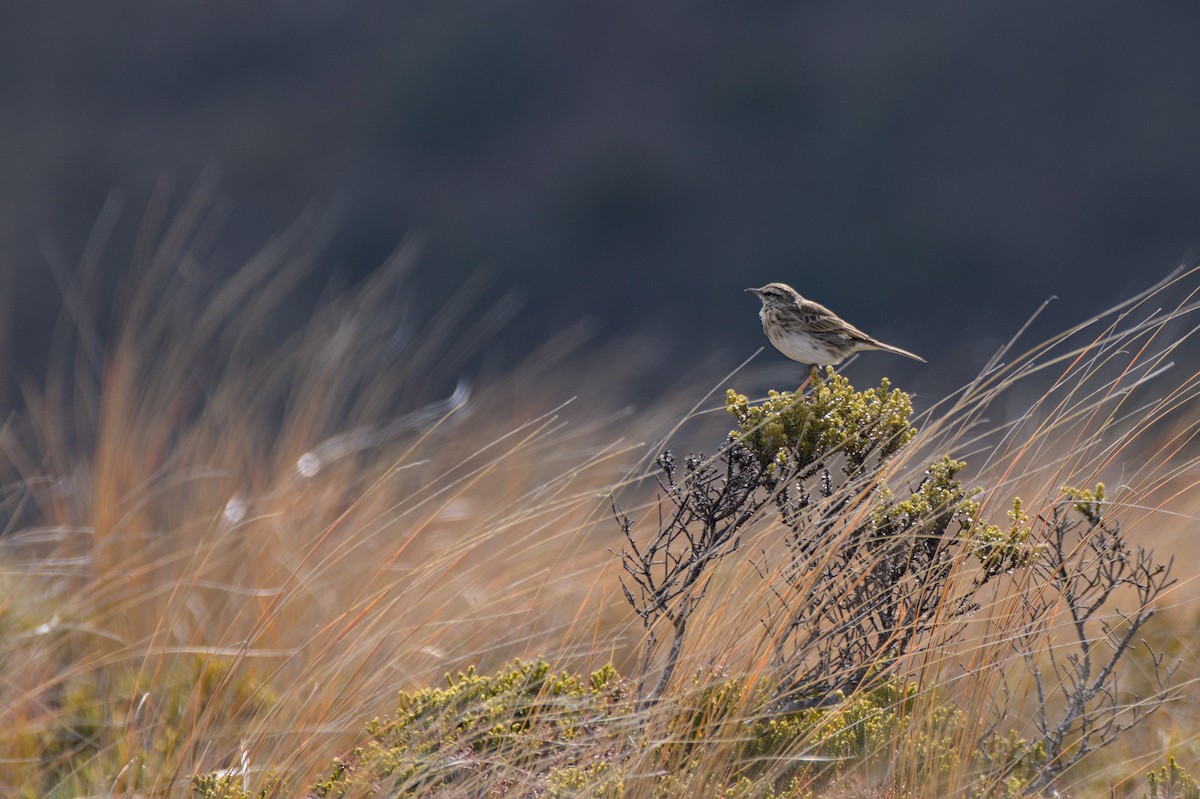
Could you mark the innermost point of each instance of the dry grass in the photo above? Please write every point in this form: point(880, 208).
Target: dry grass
point(312, 514)
point(225, 554)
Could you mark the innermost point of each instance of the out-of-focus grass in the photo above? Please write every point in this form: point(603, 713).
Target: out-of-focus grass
point(225, 553)
point(220, 552)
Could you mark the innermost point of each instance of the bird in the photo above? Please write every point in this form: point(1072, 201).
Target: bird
point(810, 333)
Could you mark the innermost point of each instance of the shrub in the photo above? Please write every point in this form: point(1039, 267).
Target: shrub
point(854, 591)
point(525, 727)
point(870, 575)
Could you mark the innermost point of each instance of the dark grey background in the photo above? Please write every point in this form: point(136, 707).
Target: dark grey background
point(930, 170)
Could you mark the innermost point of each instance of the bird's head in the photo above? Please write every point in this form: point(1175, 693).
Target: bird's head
point(776, 294)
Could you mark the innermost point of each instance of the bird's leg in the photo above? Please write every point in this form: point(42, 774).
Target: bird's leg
point(813, 374)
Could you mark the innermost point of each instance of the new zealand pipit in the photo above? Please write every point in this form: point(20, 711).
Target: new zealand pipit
point(810, 333)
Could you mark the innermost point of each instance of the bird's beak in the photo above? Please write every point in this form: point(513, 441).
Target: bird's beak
point(753, 291)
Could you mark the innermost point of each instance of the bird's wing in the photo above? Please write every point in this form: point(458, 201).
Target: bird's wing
point(822, 320)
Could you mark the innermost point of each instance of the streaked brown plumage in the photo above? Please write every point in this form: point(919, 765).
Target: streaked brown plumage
point(810, 333)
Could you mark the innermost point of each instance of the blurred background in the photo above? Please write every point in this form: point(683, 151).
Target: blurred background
point(932, 171)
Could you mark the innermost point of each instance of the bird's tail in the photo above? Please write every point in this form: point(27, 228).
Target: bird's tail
point(897, 351)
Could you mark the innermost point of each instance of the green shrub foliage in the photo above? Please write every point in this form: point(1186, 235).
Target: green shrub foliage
point(1172, 782)
point(525, 726)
